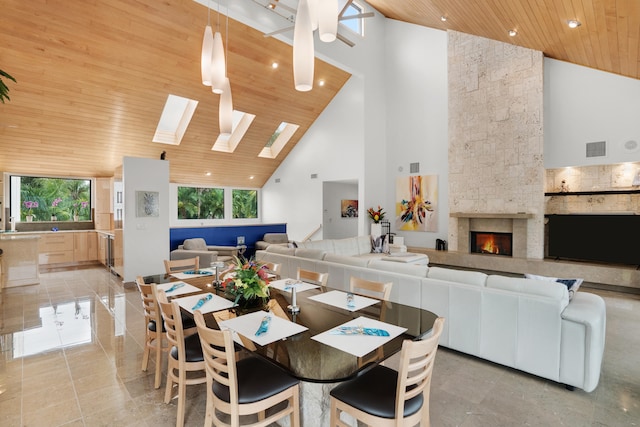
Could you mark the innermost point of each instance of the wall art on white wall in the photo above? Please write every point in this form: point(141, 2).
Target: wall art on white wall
point(416, 203)
point(147, 203)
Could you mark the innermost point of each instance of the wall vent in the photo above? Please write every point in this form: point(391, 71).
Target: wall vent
point(597, 149)
point(314, 175)
point(277, 180)
point(414, 167)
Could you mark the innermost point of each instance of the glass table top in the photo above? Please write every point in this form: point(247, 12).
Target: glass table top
point(311, 360)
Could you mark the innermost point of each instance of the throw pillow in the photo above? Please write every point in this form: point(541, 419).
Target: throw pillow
point(572, 284)
point(379, 244)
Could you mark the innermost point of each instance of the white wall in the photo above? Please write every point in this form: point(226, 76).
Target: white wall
point(585, 105)
point(333, 225)
point(145, 239)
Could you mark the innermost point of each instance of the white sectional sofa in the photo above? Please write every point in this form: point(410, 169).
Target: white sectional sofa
point(526, 324)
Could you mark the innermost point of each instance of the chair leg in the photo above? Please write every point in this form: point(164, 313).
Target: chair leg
point(334, 413)
point(168, 390)
point(182, 396)
point(208, 417)
point(295, 415)
point(145, 354)
point(158, 378)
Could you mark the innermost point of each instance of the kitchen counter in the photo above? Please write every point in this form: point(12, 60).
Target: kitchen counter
point(19, 259)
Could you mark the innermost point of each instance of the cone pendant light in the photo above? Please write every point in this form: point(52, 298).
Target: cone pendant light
point(218, 65)
point(207, 53)
point(303, 50)
point(327, 20)
point(225, 111)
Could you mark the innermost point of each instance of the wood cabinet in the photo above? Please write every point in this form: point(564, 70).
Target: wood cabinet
point(103, 213)
point(102, 248)
point(68, 247)
point(85, 246)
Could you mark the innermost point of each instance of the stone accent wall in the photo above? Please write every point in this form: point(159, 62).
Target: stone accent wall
point(593, 178)
point(496, 133)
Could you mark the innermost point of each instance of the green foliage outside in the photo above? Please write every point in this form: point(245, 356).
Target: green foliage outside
point(200, 203)
point(62, 197)
point(245, 203)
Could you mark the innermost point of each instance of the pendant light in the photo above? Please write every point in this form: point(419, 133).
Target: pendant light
point(303, 50)
point(218, 63)
point(225, 109)
point(207, 52)
point(328, 20)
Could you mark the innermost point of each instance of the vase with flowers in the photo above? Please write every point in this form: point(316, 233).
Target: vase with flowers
point(54, 210)
point(30, 205)
point(376, 215)
point(248, 284)
point(78, 208)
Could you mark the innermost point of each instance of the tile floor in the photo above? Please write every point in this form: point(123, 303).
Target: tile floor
point(71, 352)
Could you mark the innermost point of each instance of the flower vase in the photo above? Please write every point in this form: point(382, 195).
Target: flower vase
point(76, 217)
point(54, 218)
point(376, 229)
point(251, 305)
point(29, 218)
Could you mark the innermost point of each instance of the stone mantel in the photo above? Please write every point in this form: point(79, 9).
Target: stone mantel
point(519, 215)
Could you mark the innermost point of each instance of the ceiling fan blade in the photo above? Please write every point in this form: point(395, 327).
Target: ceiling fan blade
point(345, 40)
point(280, 31)
point(359, 15)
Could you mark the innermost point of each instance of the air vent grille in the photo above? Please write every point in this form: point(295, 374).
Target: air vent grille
point(314, 175)
point(277, 180)
point(414, 167)
point(597, 149)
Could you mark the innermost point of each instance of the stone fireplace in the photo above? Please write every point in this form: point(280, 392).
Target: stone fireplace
point(501, 225)
point(491, 243)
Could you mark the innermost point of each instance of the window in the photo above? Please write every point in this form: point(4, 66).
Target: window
point(278, 140)
point(200, 203)
point(354, 24)
point(36, 198)
point(245, 203)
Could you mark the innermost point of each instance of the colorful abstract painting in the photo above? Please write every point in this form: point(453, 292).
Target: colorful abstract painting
point(416, 203)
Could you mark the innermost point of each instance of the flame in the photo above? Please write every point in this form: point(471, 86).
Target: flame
point(490, 246)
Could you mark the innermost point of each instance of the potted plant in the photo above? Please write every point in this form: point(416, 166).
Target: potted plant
point(54, 211)
point(30, 205)
point(4, 90)
point(248, 284)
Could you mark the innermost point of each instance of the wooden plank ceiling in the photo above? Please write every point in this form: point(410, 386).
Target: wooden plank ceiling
point(93, 77)
point(607, 40)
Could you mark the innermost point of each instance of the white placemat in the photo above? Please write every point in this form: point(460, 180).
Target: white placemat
point(339, 299)
point(216, 303)
point(248, 324)
point(184, 288)
point(192, 273)
point(288, 284)
point(359, 345)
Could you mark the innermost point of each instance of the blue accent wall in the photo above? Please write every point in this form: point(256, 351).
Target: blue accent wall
point(225, 235)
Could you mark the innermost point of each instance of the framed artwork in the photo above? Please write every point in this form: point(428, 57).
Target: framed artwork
point(417, 203)
point(147, 203)
point(349, 208)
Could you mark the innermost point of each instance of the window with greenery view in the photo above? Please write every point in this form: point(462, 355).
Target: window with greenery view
point(50, 199)
point(245, 203)
point(200, 203)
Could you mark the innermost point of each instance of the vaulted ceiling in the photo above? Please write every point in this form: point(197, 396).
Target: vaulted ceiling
point(92, 77)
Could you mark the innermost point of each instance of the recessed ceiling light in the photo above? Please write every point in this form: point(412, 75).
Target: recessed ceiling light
point(513, 33)
point(443, 18)
point(573, 23)
point(208, 174)
point(274, 65)
point(320, 82)
point(251, 177)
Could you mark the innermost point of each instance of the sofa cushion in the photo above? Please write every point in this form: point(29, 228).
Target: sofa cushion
point(310, 253)
point(197, 244)
point(529, 286)
point(348, 246)
point(347, 260)
point(276, 238)
point(476, 278)
point(325, 245)
point(572, 284)
point(364, 244)
point(399, 267)
point(281, 250)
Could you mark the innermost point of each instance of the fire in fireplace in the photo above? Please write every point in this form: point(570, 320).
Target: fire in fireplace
point(485, 242)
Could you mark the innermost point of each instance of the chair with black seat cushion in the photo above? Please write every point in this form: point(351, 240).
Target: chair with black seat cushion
point(185, 356)
point(155, 333)
point(370, 288)
point(312, 277)
point(384, 397)
point(248, 386)
point(179, 265)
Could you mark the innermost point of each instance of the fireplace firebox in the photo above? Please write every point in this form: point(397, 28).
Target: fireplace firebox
point(489, 242)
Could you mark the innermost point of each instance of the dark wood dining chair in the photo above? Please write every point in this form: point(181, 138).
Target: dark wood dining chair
point(384, 397)
point(248, 386)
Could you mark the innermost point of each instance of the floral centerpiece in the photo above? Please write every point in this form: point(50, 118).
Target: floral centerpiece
point(376, 215)
point(30, 205)
point(248, 283)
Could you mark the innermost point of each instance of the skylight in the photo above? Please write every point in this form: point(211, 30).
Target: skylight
point(241, 122)
point(174, 120)
point(278, 140)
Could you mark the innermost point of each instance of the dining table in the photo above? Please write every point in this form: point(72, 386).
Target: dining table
point(330, 336)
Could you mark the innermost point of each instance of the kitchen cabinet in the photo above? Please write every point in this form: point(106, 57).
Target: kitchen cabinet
point(56, 248)
point(85, 246)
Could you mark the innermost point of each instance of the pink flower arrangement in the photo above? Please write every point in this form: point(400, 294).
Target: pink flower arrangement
point(30, 205)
